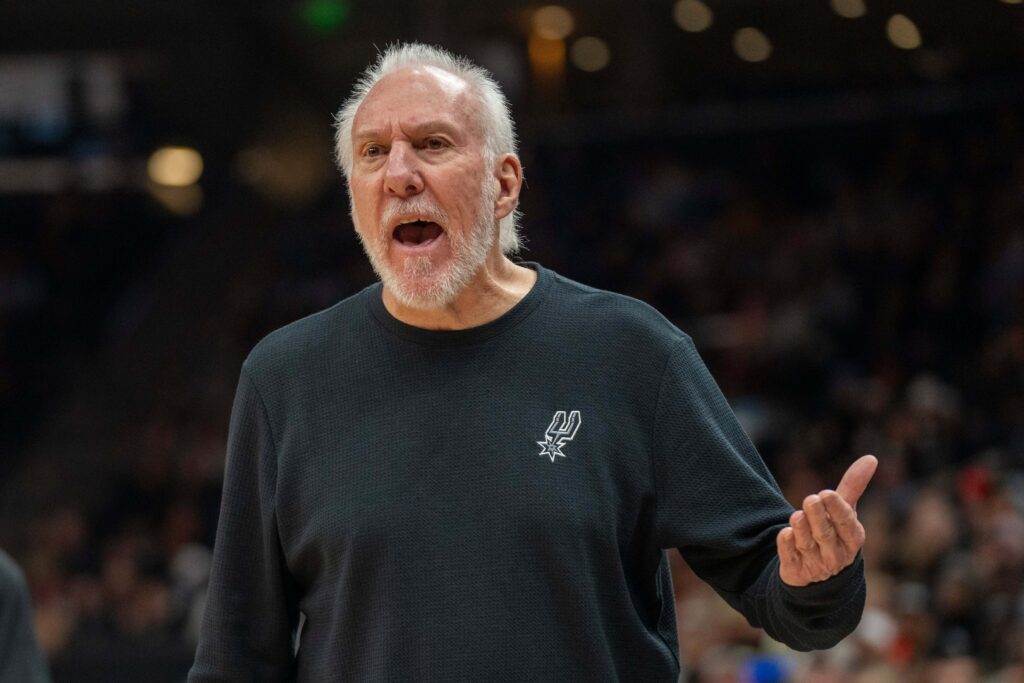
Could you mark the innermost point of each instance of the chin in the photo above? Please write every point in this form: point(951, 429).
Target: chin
point(425, 290)
point(430, 282)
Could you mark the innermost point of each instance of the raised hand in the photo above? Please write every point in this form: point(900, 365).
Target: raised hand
point(824, 537)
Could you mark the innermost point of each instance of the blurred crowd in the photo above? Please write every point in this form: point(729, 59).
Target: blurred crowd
point(64, 262)
point(853, 290)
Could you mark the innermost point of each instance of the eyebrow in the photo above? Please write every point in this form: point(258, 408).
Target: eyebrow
point(437, 125)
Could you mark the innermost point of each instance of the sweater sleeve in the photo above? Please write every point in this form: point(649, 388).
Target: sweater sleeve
point(719, 505)
point(20, 658)
point(251, 614)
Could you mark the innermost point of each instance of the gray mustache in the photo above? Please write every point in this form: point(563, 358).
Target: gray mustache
point(417, 206)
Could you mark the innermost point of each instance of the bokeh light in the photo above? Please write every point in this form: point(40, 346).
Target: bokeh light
point(751, 45)
point(693, 15)
point(180, 201)
point(553, 22)
point(325, 16)
point(590, 54)
point(849, 9)
point(175, 166)
point(547, 58)
point(903, 32)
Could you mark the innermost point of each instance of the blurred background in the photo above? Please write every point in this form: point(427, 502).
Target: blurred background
point(828, 195)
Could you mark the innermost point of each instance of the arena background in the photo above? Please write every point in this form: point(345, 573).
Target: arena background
point(828, 195)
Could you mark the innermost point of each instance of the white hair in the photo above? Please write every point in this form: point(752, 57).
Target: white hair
point(496, 124)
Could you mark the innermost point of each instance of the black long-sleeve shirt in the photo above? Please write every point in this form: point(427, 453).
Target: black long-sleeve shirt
point(489, 504)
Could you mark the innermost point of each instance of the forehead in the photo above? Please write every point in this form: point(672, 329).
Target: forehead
point(415, 94)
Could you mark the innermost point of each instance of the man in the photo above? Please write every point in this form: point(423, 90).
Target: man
point(20, 658)
point(472, 470)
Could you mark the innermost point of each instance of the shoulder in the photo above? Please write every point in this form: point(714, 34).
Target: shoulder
point(12, 580)
point(614, 318)
point(299, 346)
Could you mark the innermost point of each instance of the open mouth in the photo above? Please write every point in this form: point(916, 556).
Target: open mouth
point(417, 233)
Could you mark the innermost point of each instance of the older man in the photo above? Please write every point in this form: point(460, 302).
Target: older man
point(472, 470)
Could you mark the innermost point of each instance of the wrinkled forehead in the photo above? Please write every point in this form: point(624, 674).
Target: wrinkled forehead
point(446, 81)
point(418, 92)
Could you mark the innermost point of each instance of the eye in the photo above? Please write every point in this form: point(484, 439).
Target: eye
point(435, 143)
point(373, 151)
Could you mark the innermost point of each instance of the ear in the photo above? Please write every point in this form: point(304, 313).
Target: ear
point(509, 174)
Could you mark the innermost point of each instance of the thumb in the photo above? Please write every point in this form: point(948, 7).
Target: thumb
point(856, 479)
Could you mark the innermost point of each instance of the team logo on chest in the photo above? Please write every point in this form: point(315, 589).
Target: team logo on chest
point(561, 430)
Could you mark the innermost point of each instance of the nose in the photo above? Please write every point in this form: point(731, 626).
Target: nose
point(401, 176)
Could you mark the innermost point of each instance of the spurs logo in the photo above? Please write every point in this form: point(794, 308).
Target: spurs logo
point(560, 431)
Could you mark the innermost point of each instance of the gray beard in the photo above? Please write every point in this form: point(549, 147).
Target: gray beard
point(422, 284)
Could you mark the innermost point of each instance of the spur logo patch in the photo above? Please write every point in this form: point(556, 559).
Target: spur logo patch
point(561, 431)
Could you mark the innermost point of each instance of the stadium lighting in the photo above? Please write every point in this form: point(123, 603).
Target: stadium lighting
point(552, 22)
point(751, 45)
point(175, 166)
point(692, 15)
point(903, 32)
point(590, 54)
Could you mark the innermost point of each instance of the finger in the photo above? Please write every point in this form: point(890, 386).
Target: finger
point(856, 479)
point(831, 548)
point(844, 519)
point(803, 541)
point(787, 546)
point(790, 565)
point(817, 519)
point(802, 536)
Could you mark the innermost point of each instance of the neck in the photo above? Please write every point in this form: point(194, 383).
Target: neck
point(497, 287)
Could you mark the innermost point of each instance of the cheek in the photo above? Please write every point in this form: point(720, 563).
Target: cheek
point(362, 208)
point(469, 194)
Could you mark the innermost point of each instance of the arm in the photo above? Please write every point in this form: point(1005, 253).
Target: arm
point(718, 504)
point(251, 613)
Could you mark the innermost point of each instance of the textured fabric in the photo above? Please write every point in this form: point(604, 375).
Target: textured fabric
point(490, 504)
point(20, 658)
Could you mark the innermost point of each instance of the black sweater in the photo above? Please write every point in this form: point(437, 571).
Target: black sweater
point(489, 504)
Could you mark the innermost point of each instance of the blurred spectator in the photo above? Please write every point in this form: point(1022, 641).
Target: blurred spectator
point(20, 658)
